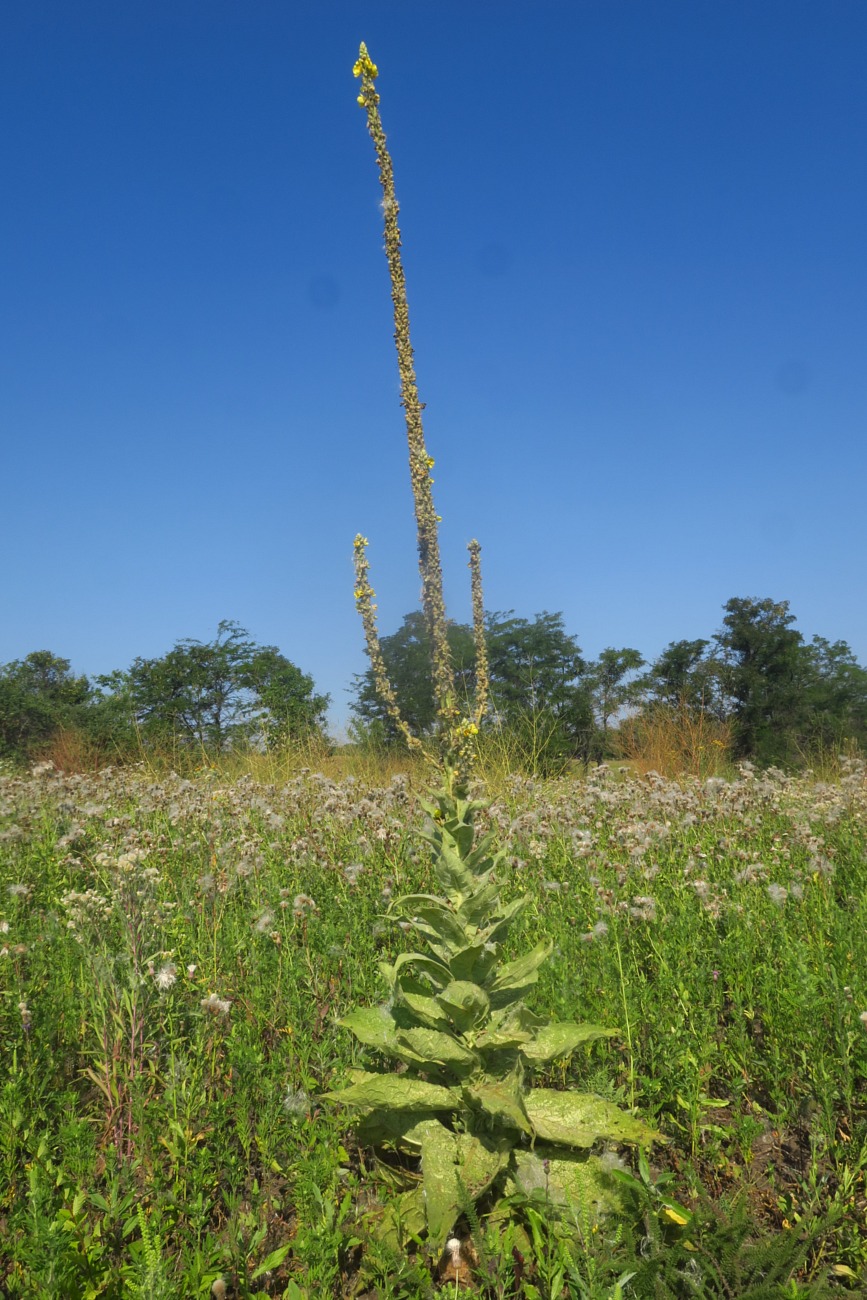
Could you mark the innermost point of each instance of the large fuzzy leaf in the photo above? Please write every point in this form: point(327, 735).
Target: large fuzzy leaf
point(453, 873)
point(437, 923)
point(395, 1091)
point(502, 1100)
point(578, 1119)
point(480, 1160)
point(525, 970)
point(464, 1003)
point(473, 962)
point(561, 1039)
point(391, 1128)
point(434, 1048)
point(508, 1029)
point(425, 1008)
point(438, 1170)
point(479, 905)
point(437, 970)
point(454, 1166)
point(373, 1026)
point(579, 1183)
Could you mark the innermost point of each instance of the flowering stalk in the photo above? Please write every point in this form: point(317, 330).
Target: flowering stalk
point(364, 603)
point(483, 679)
point(420, 463)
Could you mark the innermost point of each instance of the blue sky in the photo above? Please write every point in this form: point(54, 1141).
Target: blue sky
point(634, 245)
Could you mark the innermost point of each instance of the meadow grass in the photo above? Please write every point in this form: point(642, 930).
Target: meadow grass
point(176, 951)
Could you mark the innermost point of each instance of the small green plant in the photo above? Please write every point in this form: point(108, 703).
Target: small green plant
point(456, 1016)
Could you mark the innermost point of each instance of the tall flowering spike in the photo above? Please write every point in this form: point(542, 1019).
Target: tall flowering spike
point(483, 678)
point(420, 463)
point(364, 603)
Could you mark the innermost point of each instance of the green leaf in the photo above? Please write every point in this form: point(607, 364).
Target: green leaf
point(373, 1026)
point(394, 1091)
point(578, 1119)
point(478, 906)
point(274, 1260)
point(425, 1008)
point(510, 1029)
point(436, 923)
point(464, 1003)
point(434, 1048)
point(438, 971)
point(452, 872)
point(560, 1039)
point(480, 1160)
point(525, 970)
point(439, 1175)
point(566, 1179)
point(502, 1100)
point(473, 963)
point(393, 1128)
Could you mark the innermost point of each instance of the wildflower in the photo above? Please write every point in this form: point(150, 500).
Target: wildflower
point(863, 1017)
point(453, 1246)
point(715, 975)
point(364, 65)
point(264, 923)
point(303, 905)
point(216, 1006)
point(191, 969)
point(777, 894)
point(18, 891)
point(352, 872)
point(25, 1015)
point(218, 1289)
point(4, 927)
point(166, 976)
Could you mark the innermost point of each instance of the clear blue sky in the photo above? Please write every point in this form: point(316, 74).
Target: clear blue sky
point(634, 237)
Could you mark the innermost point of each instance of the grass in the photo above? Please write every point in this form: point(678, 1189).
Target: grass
point(175, 952)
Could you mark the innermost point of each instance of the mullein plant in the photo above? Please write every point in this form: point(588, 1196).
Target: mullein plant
point(460, 1099)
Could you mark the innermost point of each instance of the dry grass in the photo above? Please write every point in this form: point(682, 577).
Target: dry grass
point(676, 740)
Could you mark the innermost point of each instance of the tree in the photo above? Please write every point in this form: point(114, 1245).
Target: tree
point(613, 687)
point(763, 672)
point(217, 693)
point(835, 694)
point(538, 693)
point(285, 697)
point(38, 695)
point(682, 675)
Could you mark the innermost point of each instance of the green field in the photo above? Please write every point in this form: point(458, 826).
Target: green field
point(175, 954)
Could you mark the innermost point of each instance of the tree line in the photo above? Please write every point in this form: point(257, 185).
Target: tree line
point(780, 697)
point(206, 696)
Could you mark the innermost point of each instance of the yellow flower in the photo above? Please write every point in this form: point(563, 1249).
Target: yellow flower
point(364, 65)
point(362, 101)
point(430, 462)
